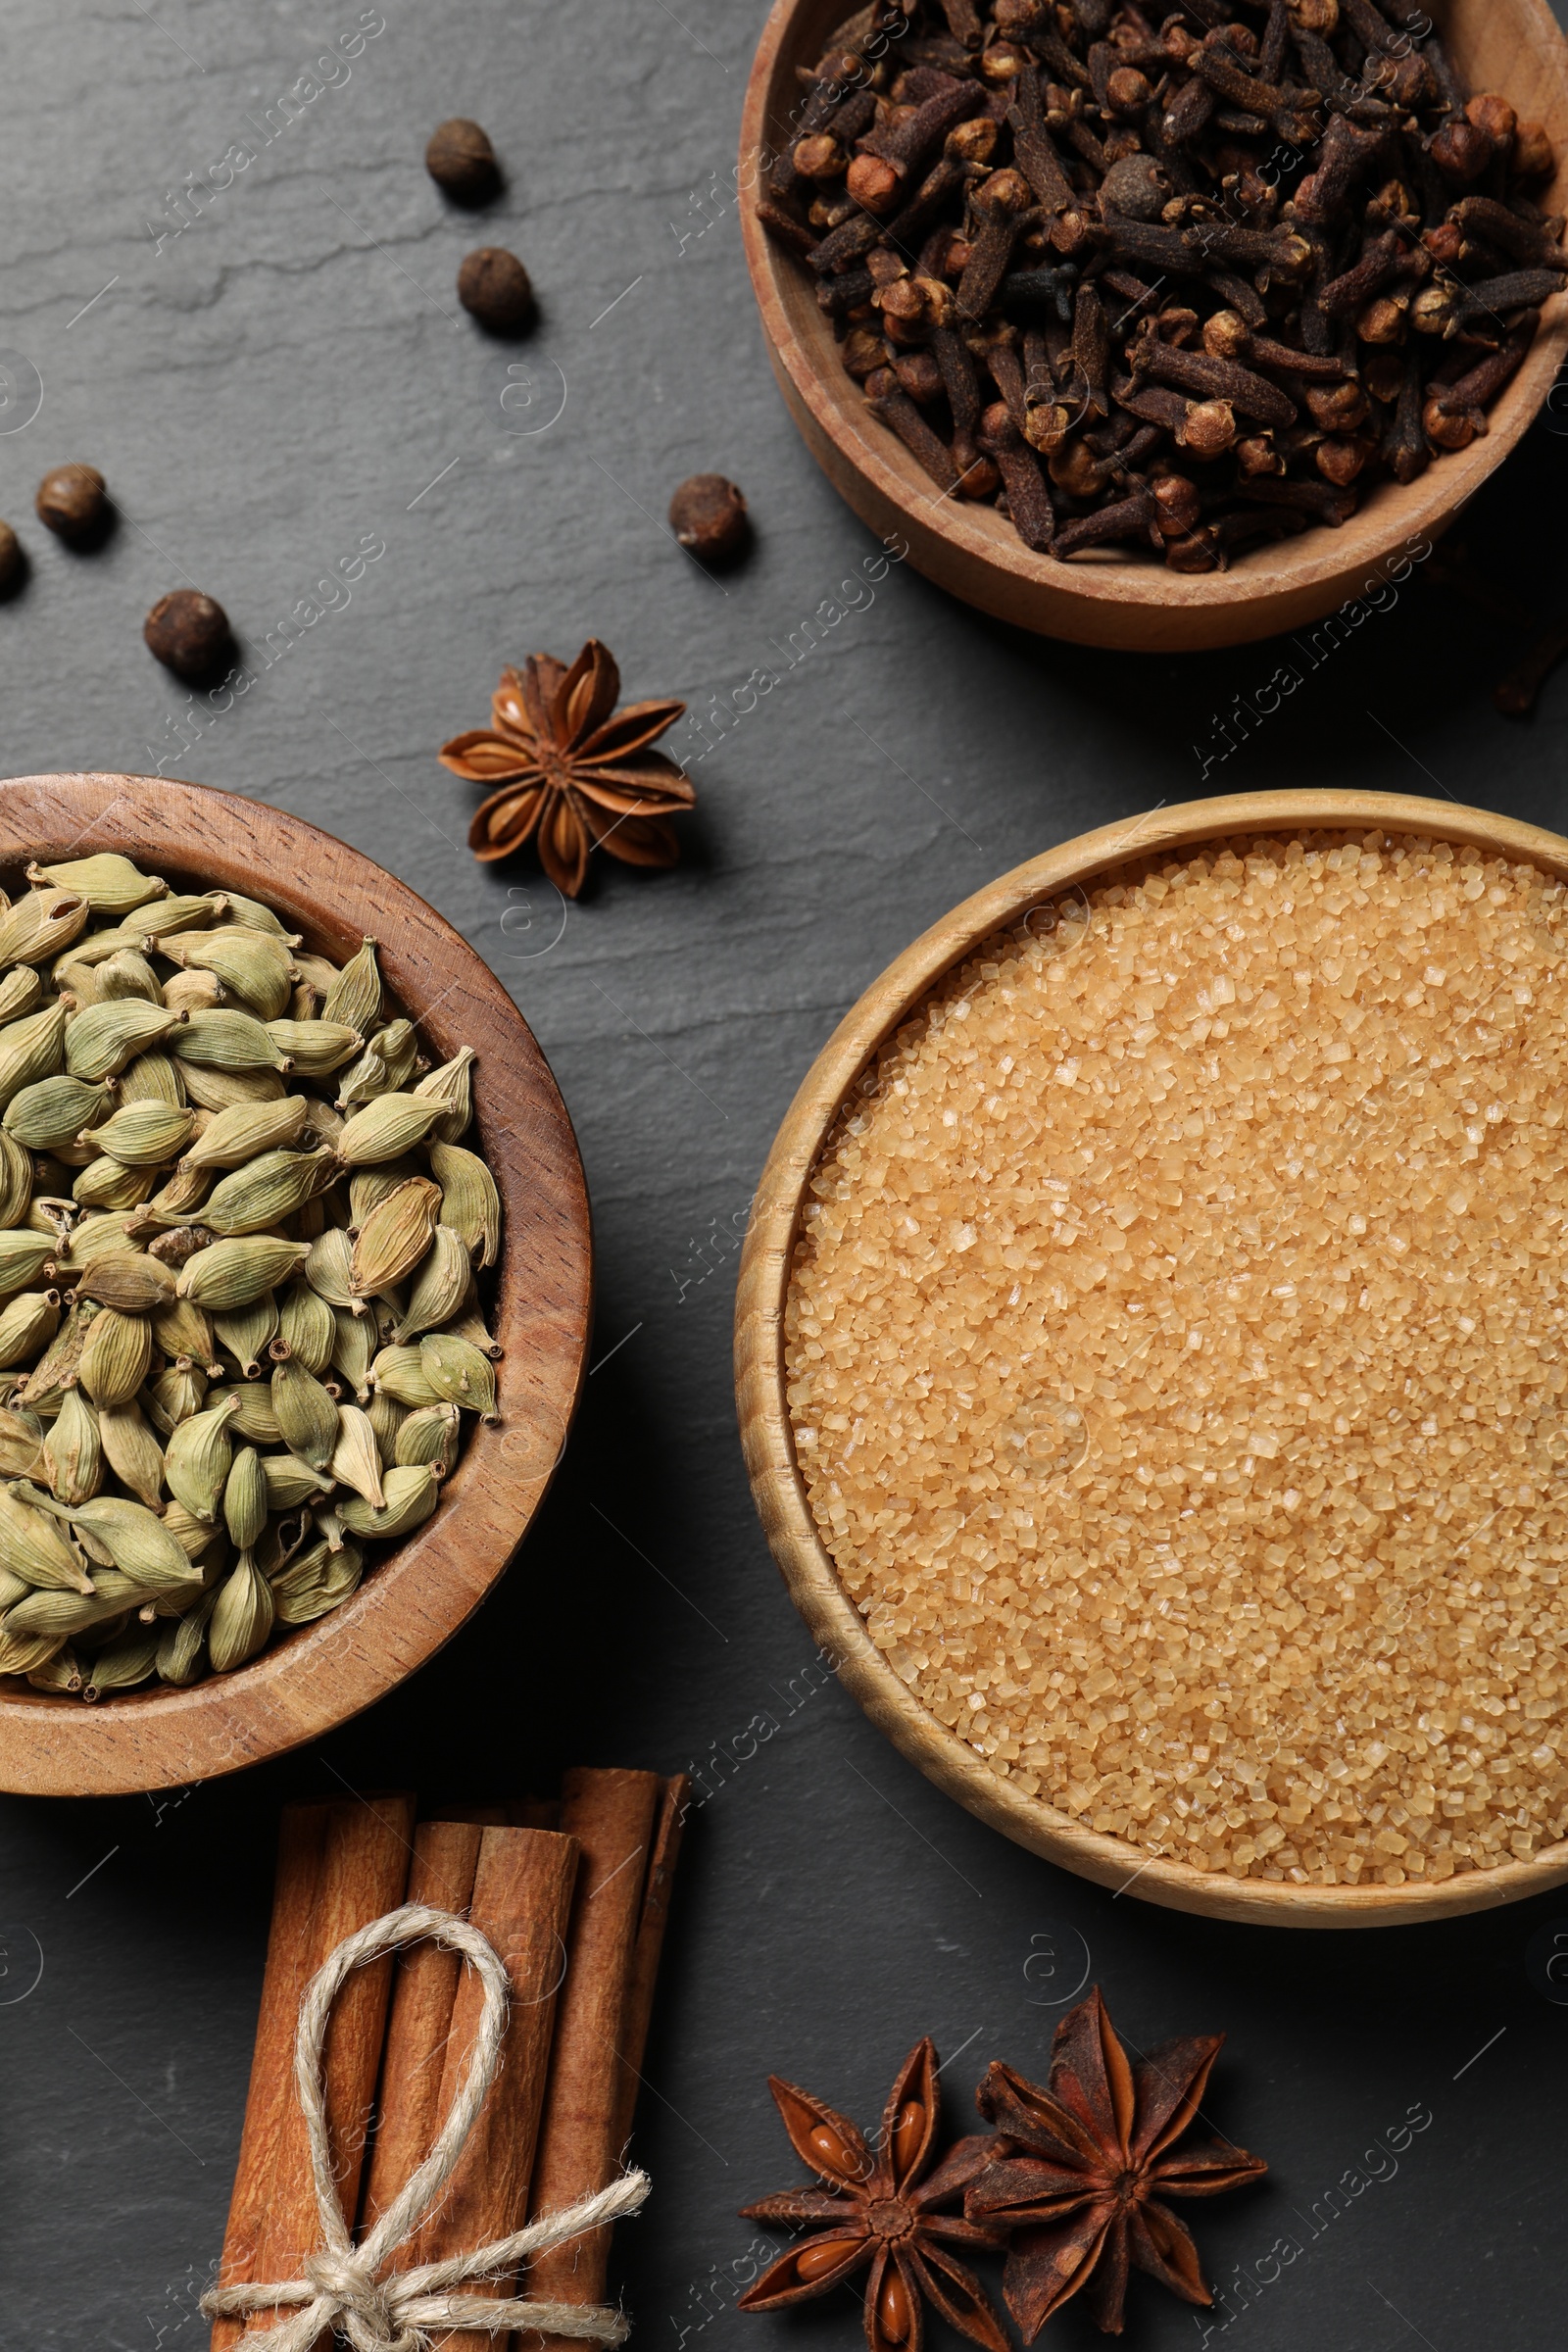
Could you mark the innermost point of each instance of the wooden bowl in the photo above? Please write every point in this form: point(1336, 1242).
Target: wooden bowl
point(767, 1437)
point(414, 1596)
point(1104, 599)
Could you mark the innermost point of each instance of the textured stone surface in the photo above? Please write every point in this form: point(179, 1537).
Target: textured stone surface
point(287, 380)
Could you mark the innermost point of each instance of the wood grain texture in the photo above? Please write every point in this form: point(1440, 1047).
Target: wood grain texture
point(418, 1594)
point(768, 1437)
point(1508, 45)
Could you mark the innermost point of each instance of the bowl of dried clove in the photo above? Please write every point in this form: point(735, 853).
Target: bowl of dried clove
point(1150, 1348)
point(294, 1281)
point(1158, 335)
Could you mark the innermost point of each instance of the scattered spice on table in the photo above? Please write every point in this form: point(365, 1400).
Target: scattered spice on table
point(189, 633)
point(572, 773)
point(74, 503)
point(707, 516)
point(460, 159)
point(1184, 290)
point(882, 2209)
point(1081, 2169)
point(495, 288)
point(1169, 1351)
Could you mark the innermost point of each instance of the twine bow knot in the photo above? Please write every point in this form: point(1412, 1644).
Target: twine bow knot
point(343, 2287)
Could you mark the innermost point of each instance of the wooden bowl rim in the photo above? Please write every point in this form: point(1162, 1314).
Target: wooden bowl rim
point(1321, 557)
point(766, 1433)
point(419, 1593)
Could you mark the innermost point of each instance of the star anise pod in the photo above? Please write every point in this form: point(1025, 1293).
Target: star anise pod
point(574, 774)
point(881, 2210)
point(1079, 2171)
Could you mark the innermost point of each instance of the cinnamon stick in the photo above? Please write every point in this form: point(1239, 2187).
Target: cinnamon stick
point(650, 1944)
point(337, 1871)
point(613, 1816)
point(446, 1855)
point(522, 1901)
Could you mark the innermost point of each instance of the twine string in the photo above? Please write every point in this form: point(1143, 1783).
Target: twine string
point(342, 2286)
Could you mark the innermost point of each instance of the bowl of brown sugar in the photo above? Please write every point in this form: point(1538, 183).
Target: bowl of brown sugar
point(1152, 1354)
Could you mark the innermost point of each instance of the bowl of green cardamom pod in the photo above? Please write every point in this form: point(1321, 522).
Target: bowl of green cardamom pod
point(294, 1281)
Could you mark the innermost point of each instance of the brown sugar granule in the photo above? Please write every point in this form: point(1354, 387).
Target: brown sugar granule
point(1177, 1348)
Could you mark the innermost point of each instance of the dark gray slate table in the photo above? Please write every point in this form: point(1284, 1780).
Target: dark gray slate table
point(286, 380)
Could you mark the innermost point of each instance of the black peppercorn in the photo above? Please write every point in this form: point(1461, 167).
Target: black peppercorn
point(707, 516)
point(72, 501)
point(461, 158)
point(13, 563)
point(495, 288)
point(188, 632)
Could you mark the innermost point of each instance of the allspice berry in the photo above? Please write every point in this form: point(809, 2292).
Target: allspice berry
point(188, 632)
point(461, 158)
point(707, 516)
point(495, 288)
point(72, 501)
point(13, 563)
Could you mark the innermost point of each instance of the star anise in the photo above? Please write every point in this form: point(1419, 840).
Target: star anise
point(881, 2209)
point(574, 774)
point(1079, 2170)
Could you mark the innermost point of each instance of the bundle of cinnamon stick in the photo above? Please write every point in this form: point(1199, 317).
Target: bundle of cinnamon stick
point(573, 1894)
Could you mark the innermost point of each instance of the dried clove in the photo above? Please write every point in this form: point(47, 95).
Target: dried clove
point(707, 516)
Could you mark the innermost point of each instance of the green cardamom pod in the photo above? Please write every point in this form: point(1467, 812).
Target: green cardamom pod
point(431, 1435)
point(186, 1190)
point(39, 925)
point(291, 1482)
point(354, 1346)
point(193, 1536)
point(459, 1372)
point(401, 1373)
point(226, 1041)
point(143, 1134)
point(395, 1236)
point(244, 1131)
point(194, 991)
point(57, 1370)
point(307, 1327)
point(62, 1672)
point(157, 920)
point(242, 1616)
point(245, 1499)
point(151, 1078)
point(385, 1129)
point(369, 1187)
point(315, 1048)
point(128, 1280)
point(19, 992)
point(252, 965)
point(21, 1444)
point(174, 1397)
point(440, 1285)
point(110, 883)
point(411, 1498)
point(305, 1413)
point(137, 1539)
point(128, 974)
point(33, 1048)
point(389, 1062)
point(248, 1334)
point(34, 1548)
point(469, 1201)
point(102, 1040)
point(123, 1663)
point(72, 1455)
point(85, 955)
point(451, 1086)
point(185, 1333)
point(77, 982)
point(253, 1418)
point(48, 1611)
point(386, 1417)
point(219, 1090)
point(233, 1274)
point(96, 1233)
point(132, 1452)
point(24, 1257)
point(257, 917)
point(105, 1183)
point(318, 1582)
point(198, 1458)
point(354, 998)
point(267, 1191)
point(329, 1269)
point(117, 1357)
point(26, 1325)
point(356, 1459)
point(53, 1112)
point(16, 1180)
point(182, 1642)
point(26, 1653)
